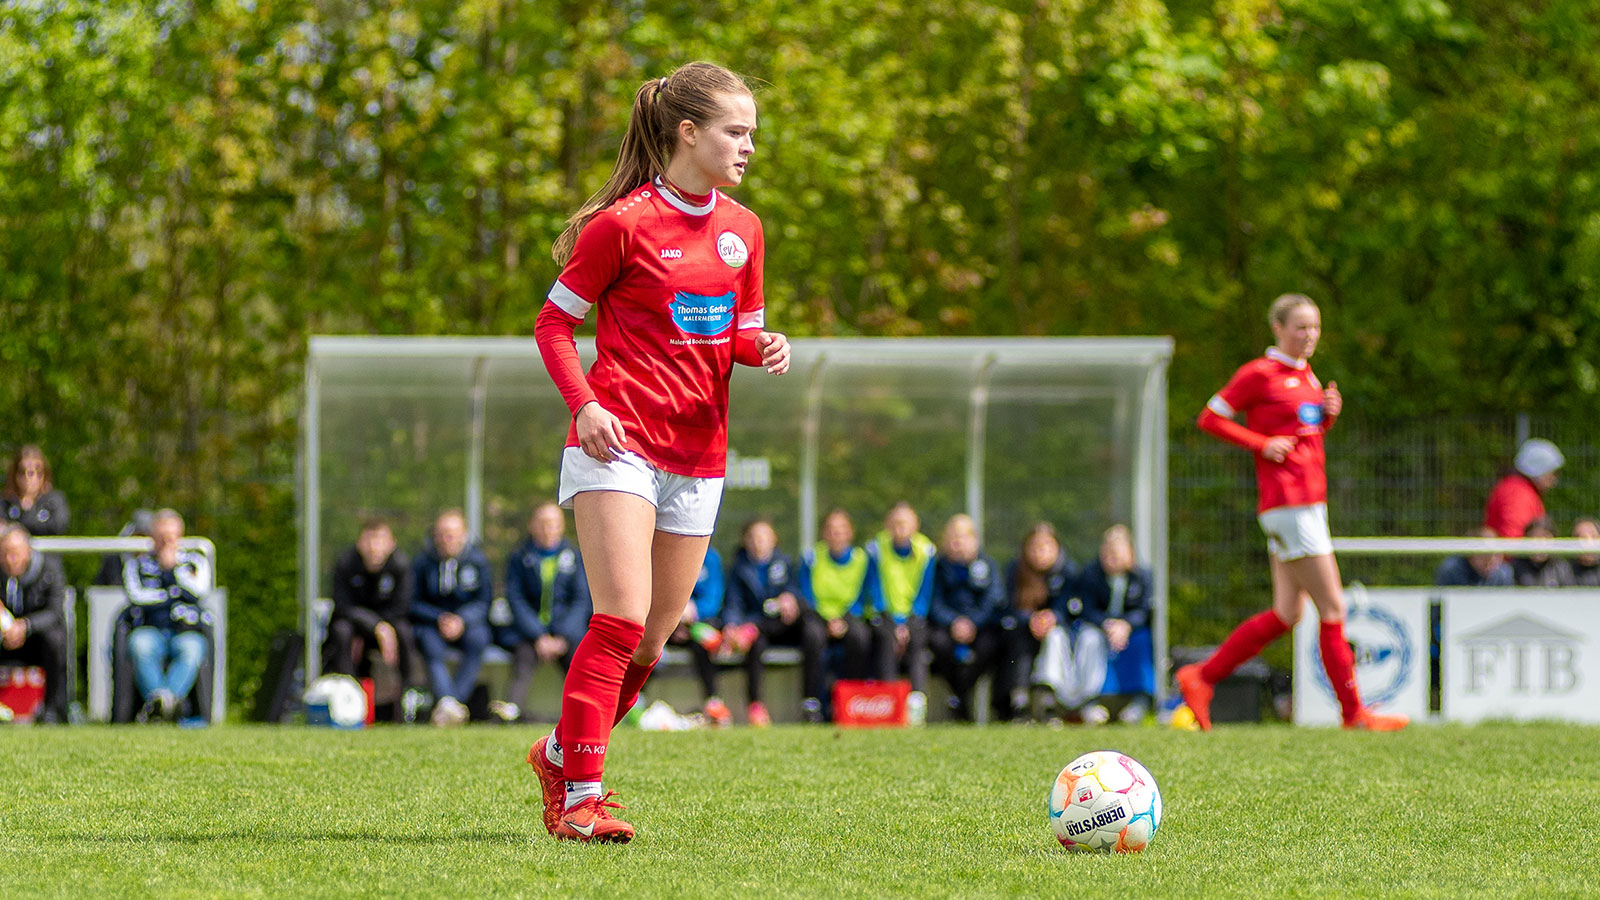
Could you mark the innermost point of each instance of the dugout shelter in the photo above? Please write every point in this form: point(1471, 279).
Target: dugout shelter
point(1008, 430)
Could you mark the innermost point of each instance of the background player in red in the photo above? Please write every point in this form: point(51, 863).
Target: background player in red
point(673, 268)
point(1286, 412)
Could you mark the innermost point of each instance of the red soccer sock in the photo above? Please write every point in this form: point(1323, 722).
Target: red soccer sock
point(1246, 641)
point(589, 700)
point(632, 683)
point(1340, 665)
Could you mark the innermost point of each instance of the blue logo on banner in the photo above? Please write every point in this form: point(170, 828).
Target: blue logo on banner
point(1310, 413)
point(1382, 653)
point(698, 314)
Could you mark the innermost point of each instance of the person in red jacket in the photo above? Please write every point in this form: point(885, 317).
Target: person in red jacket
point(672, 267)
point(1518, 498)
point(1286, 412)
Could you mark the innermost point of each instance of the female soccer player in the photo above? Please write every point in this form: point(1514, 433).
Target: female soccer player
point(674, 268)
point(1286, 412)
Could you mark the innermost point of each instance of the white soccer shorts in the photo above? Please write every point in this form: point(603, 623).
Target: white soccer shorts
point(684, 505)
point(1296, 532)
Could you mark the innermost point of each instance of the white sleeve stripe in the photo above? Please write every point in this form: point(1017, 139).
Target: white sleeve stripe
point(569, 302)
point(757, 319)
point(1220, 406)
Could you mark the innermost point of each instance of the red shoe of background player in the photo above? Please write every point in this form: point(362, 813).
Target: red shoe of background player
point(759, 717)
point(1197, 694)
point(551, 782)
point(718, 713)
point(591, 822)
point(1376, 721)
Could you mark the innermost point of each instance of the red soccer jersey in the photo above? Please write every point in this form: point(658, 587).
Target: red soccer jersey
point(1279, 396)
point(674, 281)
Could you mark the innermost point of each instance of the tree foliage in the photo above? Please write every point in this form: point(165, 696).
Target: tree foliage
point(189, 190)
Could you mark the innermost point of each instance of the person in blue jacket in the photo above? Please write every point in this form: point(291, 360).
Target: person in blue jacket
point(838, 582)
point(546, 608)
point(454, 588)
point(761, 609)
point(1116, 594)
point(700, 632)
point(969, 600)
point(1042, 593)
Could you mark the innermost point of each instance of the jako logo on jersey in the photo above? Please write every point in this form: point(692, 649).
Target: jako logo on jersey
point(671, 253)
point(699, 314)
point(1310, 413)
point(732, 249)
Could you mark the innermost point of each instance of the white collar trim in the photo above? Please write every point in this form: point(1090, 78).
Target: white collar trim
point(682, 205)
point(1274, 353)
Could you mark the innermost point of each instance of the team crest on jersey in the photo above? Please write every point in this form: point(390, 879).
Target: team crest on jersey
point(732, 249)
point(702, 315)
point(566, 562)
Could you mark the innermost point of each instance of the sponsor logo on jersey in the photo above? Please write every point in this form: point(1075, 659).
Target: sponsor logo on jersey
point(732, 249)
point(1310, 413)
point(702, 315)
point(671, 253)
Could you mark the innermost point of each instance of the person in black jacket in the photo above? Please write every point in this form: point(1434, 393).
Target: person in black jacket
point(760, 609)
point(30, 497)
point(969, 600)
point(1041, 590)
point(454, 588)
point(547, 605)
point(32, 630)
point(169, 624)
point(372, 591)
point(1116, 594)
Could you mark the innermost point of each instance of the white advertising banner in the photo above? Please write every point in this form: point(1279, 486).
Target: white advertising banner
point(1524, 653)
point(1388, 632)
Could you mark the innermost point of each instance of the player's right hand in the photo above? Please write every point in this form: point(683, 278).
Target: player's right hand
point(599, 432)
point(1277, 449)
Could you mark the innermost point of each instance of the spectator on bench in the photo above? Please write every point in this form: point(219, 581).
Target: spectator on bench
point(454, 588)
point(964, 615)
point(700, 630)
point(165, 587)
point(1045, 623)
point(1476, 569)
point(30, 498)
point(760, 609)
point(548, 605)
point(839, 585)
point(903, 557)
point(1518, 497)
point(1116, 599)
point(1541, 569)
point(32, 629)
point(1586, 568)
point(372, 592)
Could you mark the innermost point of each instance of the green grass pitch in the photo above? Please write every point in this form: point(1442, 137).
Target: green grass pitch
point(239, 811)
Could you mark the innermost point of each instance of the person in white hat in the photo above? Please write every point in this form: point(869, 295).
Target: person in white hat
point(1518, 498)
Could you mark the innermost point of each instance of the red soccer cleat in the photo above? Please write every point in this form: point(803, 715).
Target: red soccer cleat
point(590, 822)
point(759, 717)
point(1375, 721)
point(551, 782)
point(1197, 694)
point(718, 713)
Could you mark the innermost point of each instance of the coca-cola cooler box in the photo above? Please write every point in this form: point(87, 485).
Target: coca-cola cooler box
point(870, 704)
point(21, 690)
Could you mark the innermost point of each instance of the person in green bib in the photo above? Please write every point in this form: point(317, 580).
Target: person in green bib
point(904, 556)
point(839, 583)
point(546, 608)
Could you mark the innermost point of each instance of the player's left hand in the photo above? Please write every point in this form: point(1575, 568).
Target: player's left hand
point(774, 347)
point(16, 634)
point(1332, 401)
point(1117, 633)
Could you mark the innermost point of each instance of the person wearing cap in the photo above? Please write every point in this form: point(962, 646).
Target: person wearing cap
point(1518, 498)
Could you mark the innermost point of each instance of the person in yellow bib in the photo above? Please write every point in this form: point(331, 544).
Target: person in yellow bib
point(904, 556)
point(839, 583)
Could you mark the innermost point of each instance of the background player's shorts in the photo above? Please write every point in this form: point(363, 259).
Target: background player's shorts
point(1296, 532)
point(684, 505)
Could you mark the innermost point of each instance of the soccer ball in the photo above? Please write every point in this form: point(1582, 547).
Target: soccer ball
point(1104, 801)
